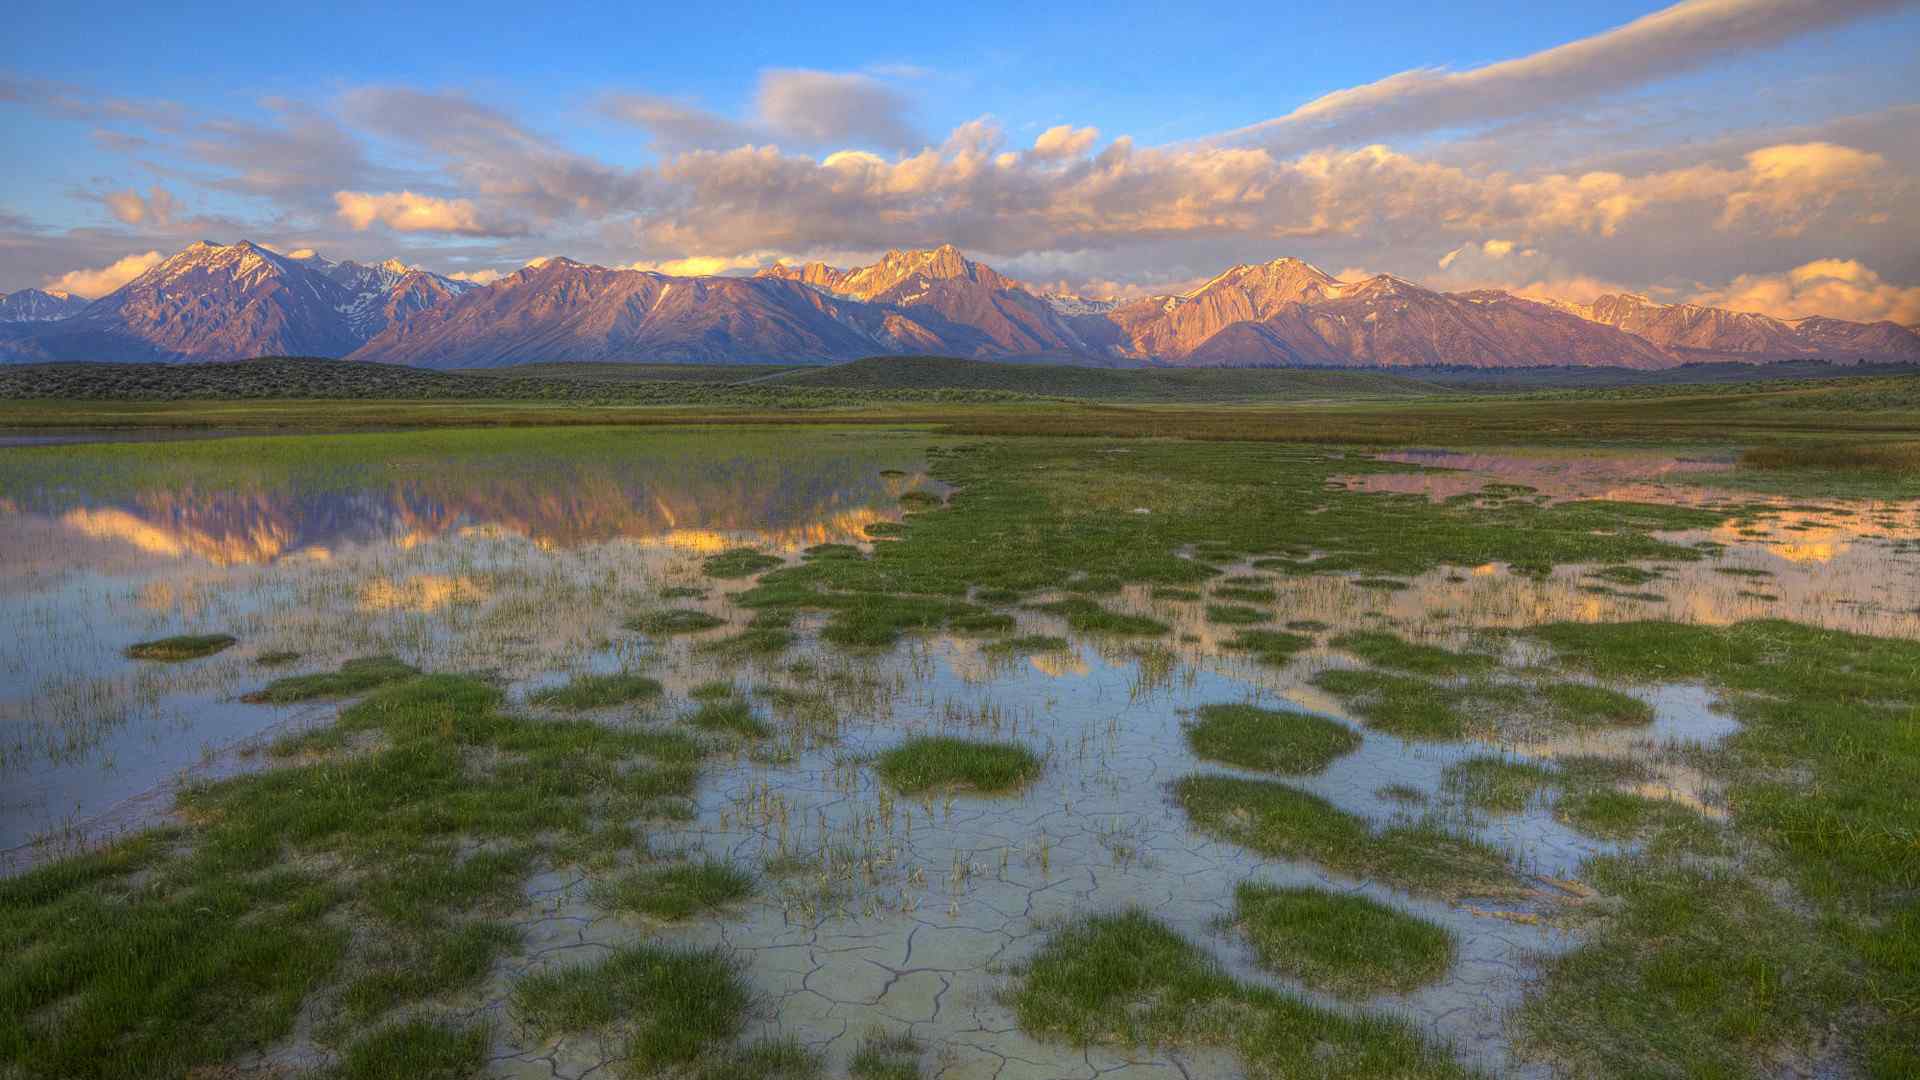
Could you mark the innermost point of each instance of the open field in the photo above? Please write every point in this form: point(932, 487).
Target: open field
point(902, 741)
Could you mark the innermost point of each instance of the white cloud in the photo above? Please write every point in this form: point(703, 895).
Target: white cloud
point(404, 211)
point(1666, 43)
point(157, 207)
point(92, 283)
point(1841, 288)
point(1064, 141)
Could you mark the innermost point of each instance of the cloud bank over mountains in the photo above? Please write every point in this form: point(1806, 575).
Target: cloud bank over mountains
point(1429, 173)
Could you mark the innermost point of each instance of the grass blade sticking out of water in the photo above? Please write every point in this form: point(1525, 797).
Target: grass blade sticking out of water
point(1269, 740)
point(1341, 943)
point(1497, 785)
point(181, 647)
point(1282, 821)
point(1126, 980)
point(938, 762)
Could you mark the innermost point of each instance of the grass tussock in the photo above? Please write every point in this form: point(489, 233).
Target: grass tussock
point(674, 621)
point(940, 762)
point(181, 647)
point(675, 1006)
point(738, 563)
point(1341, 943)
point(598, 691)
point(1276, 819)
point(1269, 740)
point(1127, 980)
point(675, 891)
point(353, 677)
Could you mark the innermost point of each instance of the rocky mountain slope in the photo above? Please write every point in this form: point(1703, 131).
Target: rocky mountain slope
point(227, 301)
point(216, 301)
point(1716, 330)
point(37, 305)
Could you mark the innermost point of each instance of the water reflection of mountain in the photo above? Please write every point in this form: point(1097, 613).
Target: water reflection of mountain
point(696, 505)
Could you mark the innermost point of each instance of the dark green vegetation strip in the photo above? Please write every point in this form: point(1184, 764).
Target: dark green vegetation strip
point(738, 563)
point(1276, 819)
point(181, 647)
point(366, 882)
point(1706, 970)
point(353, 677)
point(1270, 740)
point(932, 762)
point(598, 691)
point(1341, 943)
point(674, 621)
point(1127, 980)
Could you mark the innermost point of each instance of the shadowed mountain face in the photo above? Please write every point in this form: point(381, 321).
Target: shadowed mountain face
point(240, 300)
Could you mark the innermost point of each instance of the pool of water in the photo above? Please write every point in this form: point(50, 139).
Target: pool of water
point(523, 560)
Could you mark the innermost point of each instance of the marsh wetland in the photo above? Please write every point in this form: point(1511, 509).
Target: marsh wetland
point(890, 751)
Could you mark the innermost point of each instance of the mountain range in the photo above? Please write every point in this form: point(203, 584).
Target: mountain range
point(213, 302)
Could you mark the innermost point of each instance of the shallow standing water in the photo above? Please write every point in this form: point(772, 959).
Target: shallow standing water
point(520, 555)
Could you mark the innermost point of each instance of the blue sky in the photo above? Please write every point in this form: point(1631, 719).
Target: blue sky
point(1560, 148)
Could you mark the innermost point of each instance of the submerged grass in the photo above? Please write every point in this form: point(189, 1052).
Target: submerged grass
point(674, 621)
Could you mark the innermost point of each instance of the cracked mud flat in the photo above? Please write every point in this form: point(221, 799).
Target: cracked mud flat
point(886, 912)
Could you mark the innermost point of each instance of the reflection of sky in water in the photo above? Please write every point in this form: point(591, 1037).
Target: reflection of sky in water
point(1849, 564)
point(527, 574)
point(492, 567)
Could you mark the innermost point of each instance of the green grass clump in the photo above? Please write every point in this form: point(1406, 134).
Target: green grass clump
point(1236, 614)
point(733, 715)
point(1584, 705)
point(682, 592)
point(1273, 647)
point(1251, 594)
point(353, 677)
point(981, 622)
point(919, 500)
point(677, 1005)
point(832, 551)
point(1701, 973)
point(276, 658)
point(1126, 980)
point(1341, 943)
point(1399, 705)
point(1269, 740)
point(1625, 575)
point(753, 642)
point(674, 621)
point(1382, 649)
point(886, 1057)
point(738, 563)
point(1279, 820)
point(426, 1049)
point(675, 891)
point(1030, 643)
point(940, 762)
point(180, 949)
point(182, 647)
point(1174, 592)
point(1497, 785)
point(598, 691)
point(1088, 617)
